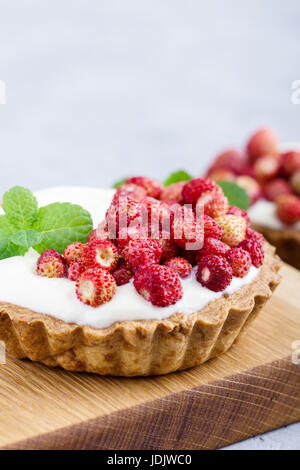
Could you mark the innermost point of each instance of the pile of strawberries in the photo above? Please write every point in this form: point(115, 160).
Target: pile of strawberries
point(154, 237)
point(264, 172)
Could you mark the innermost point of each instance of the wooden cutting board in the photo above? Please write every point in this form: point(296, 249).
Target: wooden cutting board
point(253, 388)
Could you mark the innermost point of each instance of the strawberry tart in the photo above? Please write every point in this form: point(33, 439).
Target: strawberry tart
point(167, 279)
point(270, 174)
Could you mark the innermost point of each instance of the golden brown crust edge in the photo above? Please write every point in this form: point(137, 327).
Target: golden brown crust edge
point(136, 348)
point(286, 242)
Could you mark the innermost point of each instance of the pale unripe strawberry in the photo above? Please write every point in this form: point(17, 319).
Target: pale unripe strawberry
point(234, 229)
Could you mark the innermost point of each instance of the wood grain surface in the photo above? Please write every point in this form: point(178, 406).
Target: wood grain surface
point(253, 388)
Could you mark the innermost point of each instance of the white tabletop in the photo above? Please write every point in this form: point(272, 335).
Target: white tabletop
point(99, 90)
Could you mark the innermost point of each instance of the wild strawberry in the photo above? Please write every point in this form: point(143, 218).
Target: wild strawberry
point(152, 188)
point(142, 252)
point(290, 162)
point(233, 210)
point(74, 271)
point(220, 174)
point(131, 233)
point(121, 213)
point(295, 181)
point(267, 168)
point(214, 272)
point(158, 284)
point(52, 253)
point(252, 234)
point(73, 252)
point(240, 261)
point(234, 229)
point(50, 265)
point(180, 265)
point(252, 187)
point(211, 228)
point(134, 191)
point(189, 255)
point(155, 215)
point(95, 287)
point(276, 188)
point(288, 208)
point(263, 142)
point(200, 190)
point(123, 273)
point(255, 250)
point(173, 192)
point(230, 159)
point(168, 246)
point(217, 206)
point(92, 237)
point(100, 253)
point(188, 233)
point(212, 246)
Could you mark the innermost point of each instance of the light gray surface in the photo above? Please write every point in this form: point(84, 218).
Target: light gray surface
point(99, 90)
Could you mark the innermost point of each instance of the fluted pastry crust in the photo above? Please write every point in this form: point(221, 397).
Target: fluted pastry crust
point(143, 347)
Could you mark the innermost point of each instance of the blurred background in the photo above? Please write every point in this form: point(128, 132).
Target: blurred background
point(100, 90)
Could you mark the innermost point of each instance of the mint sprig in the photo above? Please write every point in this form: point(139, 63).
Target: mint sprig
point(177, 177)
point(119, 183)
point(52, 226)
point(236, 195)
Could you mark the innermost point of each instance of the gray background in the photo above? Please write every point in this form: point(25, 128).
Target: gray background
point(97, 90)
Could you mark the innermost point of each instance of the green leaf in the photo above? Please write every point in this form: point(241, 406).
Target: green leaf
point(119, 183)
point(177, 177)
point(7, 248)
point(62, 224)
point(26, 238)
point(20, 207)
point(236, 195)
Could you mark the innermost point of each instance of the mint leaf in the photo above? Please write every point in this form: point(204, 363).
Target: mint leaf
point(177, 177)
point(7, 248)
point(26, 238)
point(20, 207)
point(61, 224)
point(236, 195)
point(120, 183)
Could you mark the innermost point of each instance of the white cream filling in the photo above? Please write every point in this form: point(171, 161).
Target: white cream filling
point(19, 283)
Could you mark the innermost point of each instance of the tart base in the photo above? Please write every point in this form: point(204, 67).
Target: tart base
point(143, 347)
point(287, 243)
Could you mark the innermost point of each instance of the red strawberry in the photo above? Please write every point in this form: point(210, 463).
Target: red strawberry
point(263, 142)
point(200, 190)
point(173, 192)
point(73, 252)
point(190, 256)
point(52, 253)
point(240, 261)
point(231, 160)
point(122, 274)
point(131, 233)
point(142, 252)
point(212, 246)
point(121, 213)
point(234, 229)
point(214, 272)
point(159, 285)
point(219, 205)
point(187, 233)
point(100, 253)
point(252, 234)
point(255, 250)
point(155, 215)
point(74, 271)
point(233, 210)
point(276, 188)
point(220, 174)
point(152, 188)
point(211, 228)
point(50, 265)
point(288, 208)
point(267, 168)
point(135, 192)
point(180, 265)
point(168, 246)
point(290, 162)
point(95, 287)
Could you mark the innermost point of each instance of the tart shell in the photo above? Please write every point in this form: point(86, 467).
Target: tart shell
point(144, 347)
point(287, 243)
